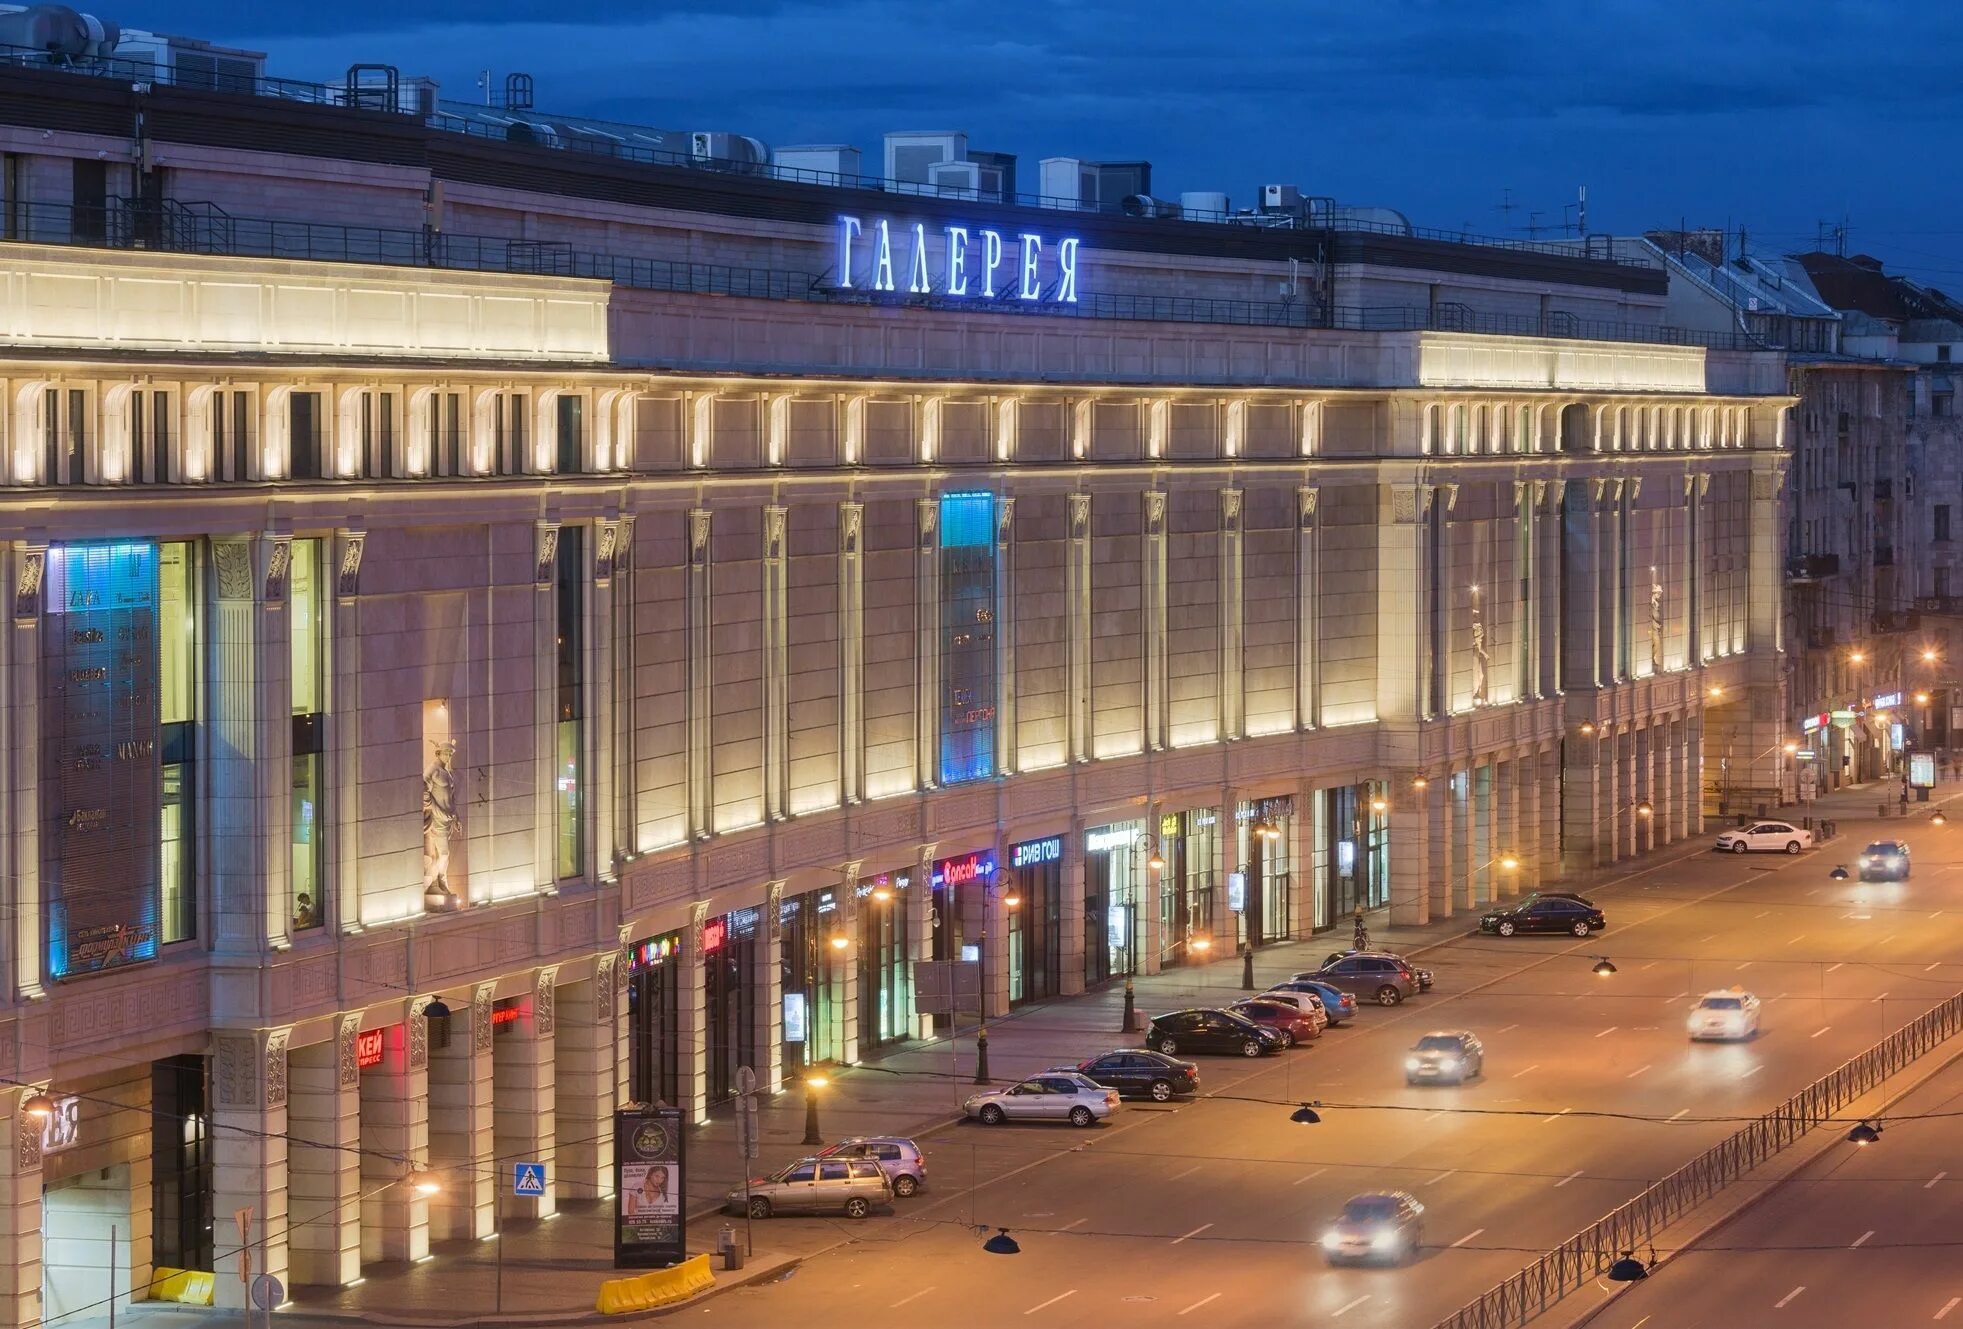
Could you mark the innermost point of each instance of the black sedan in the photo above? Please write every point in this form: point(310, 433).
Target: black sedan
point(1139, 1073)
point(1545, 913)
point(1204, 1030)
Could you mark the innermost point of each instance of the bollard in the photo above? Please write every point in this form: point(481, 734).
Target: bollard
point(812, 1135)
point(1247, 966)
point(1131, 1008)
point(981, 1056)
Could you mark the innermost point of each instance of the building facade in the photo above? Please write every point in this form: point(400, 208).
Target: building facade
point(444, 705)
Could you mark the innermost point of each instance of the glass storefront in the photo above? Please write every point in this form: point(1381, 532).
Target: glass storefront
point(1035, 925)
point(959, 885)
point(730, 983)
point(654, 1003)
point(1264, 831)
point(813, 969)
point(1114, 865)
point(1357, 852)
point(1189, 843)
point(886, 1013)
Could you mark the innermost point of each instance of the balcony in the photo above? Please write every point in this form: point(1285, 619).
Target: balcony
point(1819, 639)
point(1896, 620)
point(1884, 490)
point(1812, 567)
point(1939, 604)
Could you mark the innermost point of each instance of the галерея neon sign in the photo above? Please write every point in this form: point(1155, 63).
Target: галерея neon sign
point(999, 268)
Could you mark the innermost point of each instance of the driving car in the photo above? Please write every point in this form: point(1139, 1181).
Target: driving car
point(849, 1186)
point(1052, 1096)
point(1139, 1073)
point(1383, 978)
point(1730, 1014)
point(899, 1158)
point(1445, 1055)
point(1885, 860)
point(1310, 1003)
point(1544, 913)
point(1764, 837)
point(1296, 1025)
point(1204, 1030)
point(1337, 1004)
point(1379, 1225)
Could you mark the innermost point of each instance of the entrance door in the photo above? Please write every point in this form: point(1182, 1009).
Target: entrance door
point(77, 1218)
point(1097, 908)
point(654, 1008)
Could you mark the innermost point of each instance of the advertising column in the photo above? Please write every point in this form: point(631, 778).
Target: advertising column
point(650, 1229)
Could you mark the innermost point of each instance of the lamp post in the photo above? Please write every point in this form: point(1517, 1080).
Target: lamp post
point(812, 1084)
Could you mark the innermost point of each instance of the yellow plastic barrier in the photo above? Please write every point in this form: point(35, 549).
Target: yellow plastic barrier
point(190, 1287)
point(660, 1287)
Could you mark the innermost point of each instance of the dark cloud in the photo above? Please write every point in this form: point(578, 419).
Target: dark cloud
point(1748, 110)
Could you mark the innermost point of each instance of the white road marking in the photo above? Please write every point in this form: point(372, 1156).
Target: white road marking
point(1745, 1075)
point(1880, 995)
point(1712, 937)
point(1565, 1180)
point(1509, 1029)
point(1939, 914)
point(1743, 967)
point(1517, 1074)
point(1453, 1172)
point(1557, 1116)
point(1606, 1032)
point(1638, 1071)
point(1650, 965)
point(1051, 1302)
point(1885, 940)
point(1761, 914)
point(1436, 1115)
point(1860, 1241)
point(1348, 1307)
point(1187, 1173)
point(1936, 965)
point(1796, 940)
point(1311, 1177)
point(1930, 1184)
point(1680, 1112)
point(1821, 1030)
point(910, 1297)
point(1072, 1223)
point(1463, 1240)
point(1201, 1302)
point(1194, 1233)
point(1832, 967)
point(1949, 1306)
point(1780, 1304)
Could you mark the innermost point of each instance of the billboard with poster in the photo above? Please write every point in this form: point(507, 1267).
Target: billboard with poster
point(650, 1227)
point(1922, 769)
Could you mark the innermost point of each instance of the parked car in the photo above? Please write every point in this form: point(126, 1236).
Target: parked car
point(1544, 913)
point(1384, 979)
point(1422, 974)
point(1337, 1004)
point(1885, 860)
point(1052, 1096)
point(1296, 1025)
point(1382, 1225)
point(849, 1186)
point(1202, 1030)
point(1764, 837)
point(1733, 1014)
point(1139, 1073)
point(899, 1158)
point(1447, 1055)
point(1309, 1003)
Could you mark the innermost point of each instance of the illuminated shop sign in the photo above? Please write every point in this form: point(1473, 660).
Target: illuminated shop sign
point(647, 954)
point(368, 1048)
point(1887, 699)
point(1107, 838)
point(965, 870)
point(63, 1128)
point(505, 1014)
point(1812, 723)
point(1035, 853)
point(714, 933)
point(882, 255)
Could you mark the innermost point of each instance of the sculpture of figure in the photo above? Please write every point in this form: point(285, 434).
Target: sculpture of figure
point(441, 822)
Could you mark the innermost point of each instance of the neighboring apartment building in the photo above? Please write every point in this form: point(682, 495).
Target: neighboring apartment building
point(644, 677)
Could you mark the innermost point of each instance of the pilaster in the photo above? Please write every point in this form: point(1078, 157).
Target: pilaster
point(1152, 617)
point(1308, 607)
point(1008, 755)
point(524, 1093)
point(776, 668)
point(851, 655)
point(591, 1045)
point(697, 629)
point(1441, 840)
point(545, 705)
point(1231, 692)
point(20, 759)
point(249, 1154)
point(20, 1209)
point(462, 1131)
point(343, 748)
point(692, 1020)
point(1077, 596)
point(1410, 851)
point(927, 644)
point(324, 1158)
point(395, 1143)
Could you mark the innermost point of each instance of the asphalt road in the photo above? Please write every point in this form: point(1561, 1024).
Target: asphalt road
point(1863, 1235)
point(1211, 1211)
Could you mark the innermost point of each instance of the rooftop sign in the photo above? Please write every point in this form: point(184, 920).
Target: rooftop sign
point(972, 264)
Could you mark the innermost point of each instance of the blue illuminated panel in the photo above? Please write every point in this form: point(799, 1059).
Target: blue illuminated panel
point(879, 255)
point(967, 637)
point(100, 820)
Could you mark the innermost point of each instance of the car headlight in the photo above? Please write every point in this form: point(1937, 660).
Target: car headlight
point(1332, 1240)
point(1412, 1063)
point(1450, 1063)
point(1384, 1240)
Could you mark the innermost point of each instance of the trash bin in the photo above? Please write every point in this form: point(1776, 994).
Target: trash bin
point(727, 1247)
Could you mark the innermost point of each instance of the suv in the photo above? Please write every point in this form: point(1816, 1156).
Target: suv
point(1885, 860)
point(900, 1159)
point(849, 1186)
point(1384, 979)
point(1211, 1031)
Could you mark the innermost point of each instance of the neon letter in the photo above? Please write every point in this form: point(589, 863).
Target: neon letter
point(848, 227)
point(1066, 271)
point(1028, 288)
point(917, 270)
point(991, 260)
point(882, 258)
point(957, 260)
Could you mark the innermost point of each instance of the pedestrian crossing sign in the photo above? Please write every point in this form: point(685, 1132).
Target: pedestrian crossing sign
point(528, 1179)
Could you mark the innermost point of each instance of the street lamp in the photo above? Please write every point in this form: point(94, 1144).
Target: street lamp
point(424, 1184)
point(882, 893)
point(1603, 968)
point(839, 941)
point(1864, 1135)
point(1628, 1269)
point(1587, 729)
point(1419, 782)
point(1306, 1115)
point(37, 1106)
point(812, 1084)
point(1155, 859)
point(1379, 806)
point(1856, 657)
point(1002, 1243)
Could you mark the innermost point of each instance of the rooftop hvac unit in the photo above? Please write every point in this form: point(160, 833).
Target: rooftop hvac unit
point(911, 155)
point(1204, 204)
point(1120, 180)
point(1144, 205)
point(966, 180)
point(1281, 198)
point(1001, 162)
point(728, 152)
point(60, 33)
point(1068, 181)
point(824, 158)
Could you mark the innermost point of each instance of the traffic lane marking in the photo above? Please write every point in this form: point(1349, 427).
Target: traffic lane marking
point(1467, 1237)
point(1565, 1180)
point(1948, 1306)
point(1525, 1069)
point(1045, 1305)
point(1194, 1233)
point(1780, 1304)
point(1303, 1181)
point(911, 1297)
point(1930, 1184)
point(1347, 1307)
point(1201, 1302)
point(1638, 1071)
point(1860, 1241)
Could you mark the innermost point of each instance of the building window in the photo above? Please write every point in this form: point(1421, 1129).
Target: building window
point(303, 436)
point(567, 789)
point(307, 658)
point(1942, 521)
point(378, 434)
point(1941, 586)
point(446, 434)
point(64, 435)
point(1942, 354)
point(967, 738)
point(150, 435)
point(177, 693)
point(571, 432)
point(231, 434)
point(1940, 403)
point(509, 433)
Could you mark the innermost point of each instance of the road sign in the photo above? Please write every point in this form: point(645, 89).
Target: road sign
point(749, 1140)
point(267, 1292)
point(947, 987)
point(746, 1080)
point(528, 1179)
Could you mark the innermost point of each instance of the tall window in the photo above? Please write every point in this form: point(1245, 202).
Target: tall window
point(572, 432)
point(308, 659)
point(378, 433)
point(446, 434)
point(967, 737)
point(64, 435)
point(1942, 521)
point(567, 791)
point(231, 434)
point(303, 454)
point(150, 434)
point(177, 693)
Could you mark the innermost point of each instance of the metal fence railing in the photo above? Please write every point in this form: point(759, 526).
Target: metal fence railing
point(1588, 1254)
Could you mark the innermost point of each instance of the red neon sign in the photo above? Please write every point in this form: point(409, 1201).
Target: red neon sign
point(714, 933)
point(368, 1048)
point(503, 1015)
point(968, 868)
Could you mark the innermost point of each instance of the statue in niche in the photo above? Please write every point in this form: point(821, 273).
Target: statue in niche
point(1481, 658)
point(442, 823)
point(1656, 626)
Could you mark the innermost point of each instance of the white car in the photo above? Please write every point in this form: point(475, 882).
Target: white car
point(1766, 837)
point(1052, 1096)
point(1306, 1002)
point(1732, 1014)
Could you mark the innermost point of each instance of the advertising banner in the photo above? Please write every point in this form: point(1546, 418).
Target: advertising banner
point(100, 822)
point(650, 1226)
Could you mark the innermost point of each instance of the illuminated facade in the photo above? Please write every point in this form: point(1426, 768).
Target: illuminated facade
point(385, 637)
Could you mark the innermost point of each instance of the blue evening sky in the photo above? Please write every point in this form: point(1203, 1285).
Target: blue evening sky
point(1773, 114)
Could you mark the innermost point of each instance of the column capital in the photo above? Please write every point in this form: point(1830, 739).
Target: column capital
point(249, 1067)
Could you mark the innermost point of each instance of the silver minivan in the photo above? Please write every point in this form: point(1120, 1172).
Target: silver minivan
point(898, 1157)
point(849, 1186)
